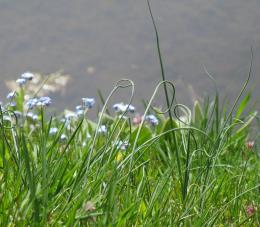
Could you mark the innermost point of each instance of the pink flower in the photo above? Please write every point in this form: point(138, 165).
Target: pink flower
point(250, 210)
point(137, 119)
point(250, 144)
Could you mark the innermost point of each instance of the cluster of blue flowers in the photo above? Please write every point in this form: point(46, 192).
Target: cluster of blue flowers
point(24, 78)
point(80, 111)
point(39, 102)
point(121, 108)
point(11, 97)
point(31, 103)
point(32, 116)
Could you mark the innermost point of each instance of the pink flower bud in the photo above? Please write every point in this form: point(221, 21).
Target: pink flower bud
point(250, 144)
point(137, 119)
point(250, 210)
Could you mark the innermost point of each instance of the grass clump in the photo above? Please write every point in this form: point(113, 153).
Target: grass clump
point(177, 167)
point(123, 170)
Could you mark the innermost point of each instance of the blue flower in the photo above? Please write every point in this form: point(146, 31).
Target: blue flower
point(11, 95)
point(21, 81)
point(121, 107)
point(80, 113)
point(12, 104)
point(29, 115)
point(152, 120)
point(131, 109)
point(53, 131)
point(27, 76)
point(79, 107)
point(31, 103)
point(44, 101)
point(88, 102)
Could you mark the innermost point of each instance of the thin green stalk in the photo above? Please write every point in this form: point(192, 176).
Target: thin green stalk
point(166, 92)
point(217, 141)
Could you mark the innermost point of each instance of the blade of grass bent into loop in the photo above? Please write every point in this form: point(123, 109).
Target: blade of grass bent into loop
point(119, 84)
point(143, 119)
point(165, 89)
point(86, 160)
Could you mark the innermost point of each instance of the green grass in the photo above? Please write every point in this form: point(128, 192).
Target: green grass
point(45, 181)
point(194, 168)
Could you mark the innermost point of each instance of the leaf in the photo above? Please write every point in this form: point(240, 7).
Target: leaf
point(142, 208)
point(197, 112)
point(243, 105)
point(248, 122)
point(145, 135)
point(168, 125)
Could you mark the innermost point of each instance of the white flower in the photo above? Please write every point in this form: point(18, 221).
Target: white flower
point(35, 117)
point(63, 138)
point(102, 129)
point(88, 136)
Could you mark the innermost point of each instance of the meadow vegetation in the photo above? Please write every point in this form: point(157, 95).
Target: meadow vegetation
point(172, 167)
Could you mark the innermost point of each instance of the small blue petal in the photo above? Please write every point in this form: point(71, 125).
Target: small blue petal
point(88, 102)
